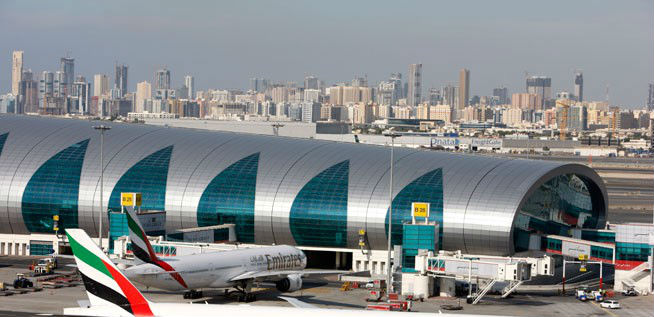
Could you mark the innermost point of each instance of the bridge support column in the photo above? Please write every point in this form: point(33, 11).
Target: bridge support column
point(447, 287)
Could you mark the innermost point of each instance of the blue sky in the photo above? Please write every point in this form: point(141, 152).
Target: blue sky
point(223, 43)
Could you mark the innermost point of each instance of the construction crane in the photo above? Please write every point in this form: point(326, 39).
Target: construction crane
point(565, 107)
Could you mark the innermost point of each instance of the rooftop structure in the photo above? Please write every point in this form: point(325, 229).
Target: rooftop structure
point(285, 190)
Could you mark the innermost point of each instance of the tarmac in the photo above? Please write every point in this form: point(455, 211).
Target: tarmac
point(324, 293)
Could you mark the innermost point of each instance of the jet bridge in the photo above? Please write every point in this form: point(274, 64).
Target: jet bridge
point(510, 271)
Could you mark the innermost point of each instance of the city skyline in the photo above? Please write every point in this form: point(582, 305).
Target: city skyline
point(552, 43)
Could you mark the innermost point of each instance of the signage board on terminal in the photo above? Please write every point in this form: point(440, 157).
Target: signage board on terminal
point(420, 210)
point(130, 199)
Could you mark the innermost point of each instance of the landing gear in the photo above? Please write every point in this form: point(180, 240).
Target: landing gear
point(193, 294)
point(246, 297)
point(243, 292)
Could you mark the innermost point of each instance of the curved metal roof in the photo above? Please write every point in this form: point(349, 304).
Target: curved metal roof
point(481, 194)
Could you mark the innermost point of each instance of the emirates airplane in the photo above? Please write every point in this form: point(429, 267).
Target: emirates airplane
point(111, 294)
point(240, 268)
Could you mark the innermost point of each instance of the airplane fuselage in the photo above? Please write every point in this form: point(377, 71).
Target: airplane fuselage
point(216, 269)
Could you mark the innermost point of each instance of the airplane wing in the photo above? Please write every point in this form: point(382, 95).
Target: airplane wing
point(282, 273)
point(296, 302)
point(158, 273)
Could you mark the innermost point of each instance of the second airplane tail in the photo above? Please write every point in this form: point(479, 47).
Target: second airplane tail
point(142, 248)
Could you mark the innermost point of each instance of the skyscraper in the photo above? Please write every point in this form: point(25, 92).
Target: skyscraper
point(542, 86)
point(502, 95)
point(311, 82)
point(67, 68)
point(80, 96)
point(120, 79)
point(258, 84)
point(449, 97)
point(650, 99)
point(16, 71)
point(464, 88)
point(46, 84)
point(162, 79)
point(189, 83)
point(143, 93)
point(28, 93)
point(414, 94)
point(100, 84)
point(579, 86)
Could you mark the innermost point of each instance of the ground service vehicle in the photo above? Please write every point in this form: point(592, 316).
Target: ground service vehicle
point(629, 292)
point(22, 282)
point(581, 295)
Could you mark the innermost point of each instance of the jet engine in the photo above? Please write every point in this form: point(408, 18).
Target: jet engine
point(289, 284)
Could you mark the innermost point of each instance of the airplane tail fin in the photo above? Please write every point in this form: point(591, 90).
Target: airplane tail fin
point(140, 244)
point(142, 248)
point(104, 283)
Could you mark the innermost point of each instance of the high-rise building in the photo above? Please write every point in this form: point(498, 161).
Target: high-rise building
point(360, 82)
point(541, 86)
point(162, 79)
point(312, 95)
point(450, 95)
point(28, 93)
point(59, 86)
point(120, 79)
point(396, 78)
point(389, 92)
point(67, 69)
point(464, 88)
point(414, 94)
point(259, 84)
point(100, 84)
point(502, 95)
point(310, 111)
point(189, 83)
point(650, 98)
point(46, 84)
point(143, 93)
point(526, 101)
point(80, 96)
point(311, 82)
point(579, 86)
point(16, 71)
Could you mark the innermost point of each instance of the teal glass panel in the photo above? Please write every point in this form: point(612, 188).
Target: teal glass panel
point(416, 237)
point(117, 227)
point(148, 177)
point(560, 204)
point(3, 138)
point(632, 251)
point(54, 190)
point(41, 248)
point(427, 188)
point(598, 236)
point(229, 198)
point(319, 212)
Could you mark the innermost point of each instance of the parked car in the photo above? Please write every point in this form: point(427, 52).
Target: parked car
point(629, 292)
point(581, 295)
point(611, 304)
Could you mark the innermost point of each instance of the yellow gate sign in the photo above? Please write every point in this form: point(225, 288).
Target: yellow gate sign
point(420, 210)
point(130, 199)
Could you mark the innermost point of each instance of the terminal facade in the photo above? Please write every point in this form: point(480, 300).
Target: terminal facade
point(280, 190)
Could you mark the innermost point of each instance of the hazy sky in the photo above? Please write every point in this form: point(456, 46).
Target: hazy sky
point(223, 43)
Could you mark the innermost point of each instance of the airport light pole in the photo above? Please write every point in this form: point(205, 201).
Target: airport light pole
point(102, 128)
point(389, 267)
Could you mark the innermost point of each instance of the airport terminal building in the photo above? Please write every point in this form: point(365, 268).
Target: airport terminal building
point(285, 190)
